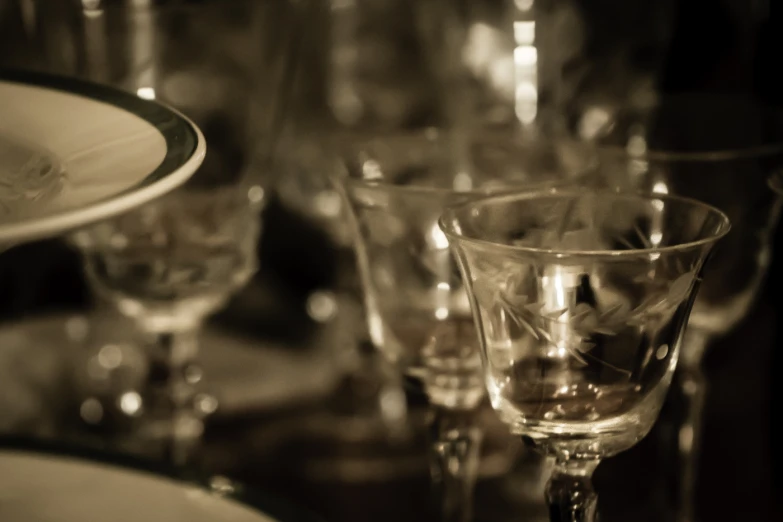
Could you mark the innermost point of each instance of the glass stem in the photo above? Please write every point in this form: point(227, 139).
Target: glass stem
point(570, 494)
point(373, 386)
point(173, 422)
point(692, 384)
point(456, 441)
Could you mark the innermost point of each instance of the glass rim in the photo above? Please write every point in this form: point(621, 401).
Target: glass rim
point(775, 181)
point(423, 190)
point(696, 156)
point(761, 149)
point(520, 196)
point(572, 177)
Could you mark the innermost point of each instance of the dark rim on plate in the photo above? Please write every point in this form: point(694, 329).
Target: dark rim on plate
point(264, 504)
point(181, 140)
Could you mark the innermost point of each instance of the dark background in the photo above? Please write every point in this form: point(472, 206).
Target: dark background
point(722, 46)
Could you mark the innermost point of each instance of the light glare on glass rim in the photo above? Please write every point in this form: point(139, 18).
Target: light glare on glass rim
point(456, 236)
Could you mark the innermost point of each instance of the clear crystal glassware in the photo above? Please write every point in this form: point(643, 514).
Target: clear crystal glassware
point(304, 189)
point(580, 300)
point(418, 311)
point(171, 264)
point(361, 75)
point(168, 266)
point(721, 150)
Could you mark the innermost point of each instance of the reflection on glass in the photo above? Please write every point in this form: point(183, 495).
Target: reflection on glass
point(168, 266)
point(580, 318)
point(418, 312)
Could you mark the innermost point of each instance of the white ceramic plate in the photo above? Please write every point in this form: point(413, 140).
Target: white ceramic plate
point(73, 153)
point(47, 487)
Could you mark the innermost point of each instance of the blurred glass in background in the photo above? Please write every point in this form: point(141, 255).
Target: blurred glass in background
point(446, 96)
point(172, 263)
point(491, 71)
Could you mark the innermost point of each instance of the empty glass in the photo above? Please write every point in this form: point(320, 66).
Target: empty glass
point(721, 150)
point(580, 301)
point(418, 312)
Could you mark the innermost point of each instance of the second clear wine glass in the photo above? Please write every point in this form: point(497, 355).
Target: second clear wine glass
point(418, 312)
point(580, 300)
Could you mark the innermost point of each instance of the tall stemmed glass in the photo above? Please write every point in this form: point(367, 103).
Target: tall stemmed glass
point(418, 311)
point(721, 150)
point(172, 263)
point(580, 301)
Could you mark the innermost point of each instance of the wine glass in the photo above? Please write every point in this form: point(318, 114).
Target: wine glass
point(417, 311)
point(721, 150)
point(548, 70)
point(168, 266)
point(580, 300)
point(171, 264)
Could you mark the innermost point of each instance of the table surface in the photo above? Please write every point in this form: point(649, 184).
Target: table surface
point(367, 478)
